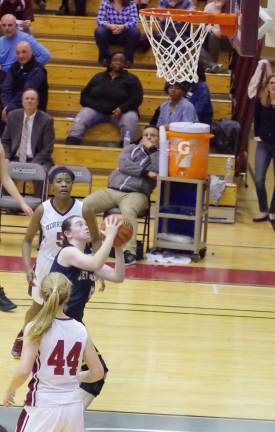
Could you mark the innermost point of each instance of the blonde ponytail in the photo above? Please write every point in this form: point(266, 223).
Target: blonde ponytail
point(55, 290)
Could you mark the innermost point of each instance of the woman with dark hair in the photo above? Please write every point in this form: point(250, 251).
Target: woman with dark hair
point(117, 24)
point(264, 125)
point(177, 109)
point(111, 96)
point(53, 349)
point(48, 218)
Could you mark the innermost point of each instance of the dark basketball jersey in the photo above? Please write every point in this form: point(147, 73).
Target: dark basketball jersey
point(83, 286)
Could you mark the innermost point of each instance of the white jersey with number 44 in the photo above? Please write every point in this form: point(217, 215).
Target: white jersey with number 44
point(57, 365)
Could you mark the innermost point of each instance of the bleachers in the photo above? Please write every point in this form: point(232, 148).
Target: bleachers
point(74, 62)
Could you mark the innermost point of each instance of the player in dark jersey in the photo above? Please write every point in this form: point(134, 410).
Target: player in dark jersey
point(81, 268)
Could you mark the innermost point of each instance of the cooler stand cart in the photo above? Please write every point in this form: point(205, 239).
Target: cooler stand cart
point(182, 214)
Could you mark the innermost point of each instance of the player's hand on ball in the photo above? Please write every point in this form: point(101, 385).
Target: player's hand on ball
point(110, 227)
point(124, 230)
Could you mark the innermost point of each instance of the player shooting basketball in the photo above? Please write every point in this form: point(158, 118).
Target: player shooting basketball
point(81, 268)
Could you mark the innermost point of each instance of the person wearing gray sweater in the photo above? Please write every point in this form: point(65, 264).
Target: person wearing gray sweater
point(130, 185)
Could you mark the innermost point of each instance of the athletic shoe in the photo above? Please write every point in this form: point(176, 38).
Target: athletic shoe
point(17, 347)
point(129, 258)
point(5, 303)
point(260, 218)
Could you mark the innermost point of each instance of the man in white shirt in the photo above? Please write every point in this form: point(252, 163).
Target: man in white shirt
point(29, 134)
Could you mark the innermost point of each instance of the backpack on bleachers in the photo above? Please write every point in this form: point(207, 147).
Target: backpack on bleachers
point(226, 136)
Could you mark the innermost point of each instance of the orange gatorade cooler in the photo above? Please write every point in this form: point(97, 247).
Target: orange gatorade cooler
point(188, 150)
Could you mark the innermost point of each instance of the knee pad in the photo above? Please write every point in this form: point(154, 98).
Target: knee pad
point(93, 388)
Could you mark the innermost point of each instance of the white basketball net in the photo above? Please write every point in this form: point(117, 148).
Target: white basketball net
point(176, 57)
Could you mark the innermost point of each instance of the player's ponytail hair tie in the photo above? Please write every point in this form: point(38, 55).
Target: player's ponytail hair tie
point(55, 289)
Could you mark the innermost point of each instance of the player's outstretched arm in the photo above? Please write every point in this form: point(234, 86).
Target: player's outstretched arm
point(116, 274)
point(31, 232)
point(9, 185)
point(72, 256)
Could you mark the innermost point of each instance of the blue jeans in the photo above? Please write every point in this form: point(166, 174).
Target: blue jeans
point(265, 152)
point(128, 39)
point(89, 117)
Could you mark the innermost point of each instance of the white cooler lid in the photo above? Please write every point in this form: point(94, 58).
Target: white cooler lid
point(189, 127)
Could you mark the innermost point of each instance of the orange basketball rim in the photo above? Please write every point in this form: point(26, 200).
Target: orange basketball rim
point(226, 21)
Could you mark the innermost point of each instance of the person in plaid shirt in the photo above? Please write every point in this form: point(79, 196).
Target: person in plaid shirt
point(117, 24)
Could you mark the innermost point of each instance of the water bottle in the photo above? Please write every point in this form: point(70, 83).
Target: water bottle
point(127, 139)
point(229, 170)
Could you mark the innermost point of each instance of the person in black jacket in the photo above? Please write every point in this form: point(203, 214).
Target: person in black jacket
point(26, 73)
point(264, 124)
point(111, 96)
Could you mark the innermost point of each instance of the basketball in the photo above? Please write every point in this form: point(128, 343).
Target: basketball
point(124, 233)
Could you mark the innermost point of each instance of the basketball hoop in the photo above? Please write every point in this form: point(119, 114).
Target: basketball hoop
point(177, 56)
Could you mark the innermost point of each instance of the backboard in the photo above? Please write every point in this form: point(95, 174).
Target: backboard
point(246, 39)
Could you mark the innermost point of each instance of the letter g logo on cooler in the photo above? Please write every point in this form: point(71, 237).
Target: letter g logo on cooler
point(184, 154)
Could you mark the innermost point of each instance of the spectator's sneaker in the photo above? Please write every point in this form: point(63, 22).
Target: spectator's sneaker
point(5, 303)
point(73, 140)
point(129, 258)
point(17, 346)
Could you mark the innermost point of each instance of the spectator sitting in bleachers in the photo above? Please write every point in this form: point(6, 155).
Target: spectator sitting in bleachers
point(199, 95)
point(29, 134)
point(205, 56)
point(177, 109)
point(21, 9)
point(9, 41)
point(24, 74)
point(111, 96)
point(130, 185)
point(117, 25)
point(215, 41)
